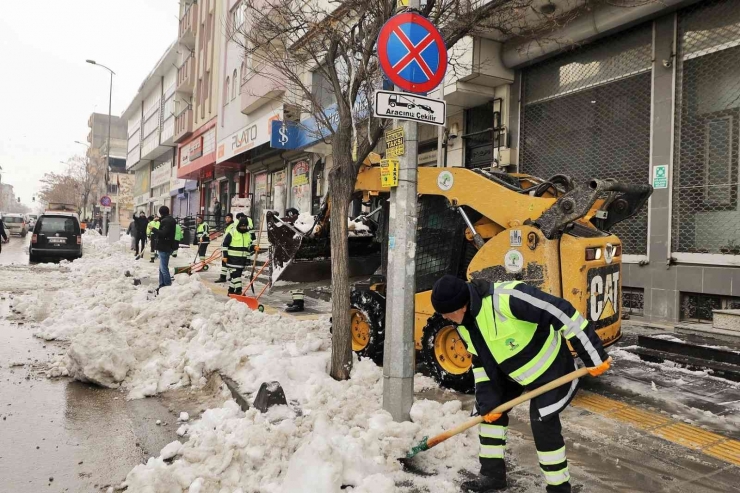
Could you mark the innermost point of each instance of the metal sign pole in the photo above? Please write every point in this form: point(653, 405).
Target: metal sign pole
point(399, 348)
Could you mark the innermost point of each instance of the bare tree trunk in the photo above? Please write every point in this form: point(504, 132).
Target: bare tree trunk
point(341, 187)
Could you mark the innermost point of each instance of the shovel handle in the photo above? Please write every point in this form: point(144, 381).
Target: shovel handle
point(436, 440)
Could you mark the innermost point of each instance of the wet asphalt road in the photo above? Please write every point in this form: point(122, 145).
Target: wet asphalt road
point(84, 437)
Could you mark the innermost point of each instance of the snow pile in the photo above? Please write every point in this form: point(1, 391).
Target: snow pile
point(341, 437)
point(305, 222)
point(333, 434)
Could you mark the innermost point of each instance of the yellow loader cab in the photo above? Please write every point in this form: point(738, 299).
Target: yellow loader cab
point(490, 225)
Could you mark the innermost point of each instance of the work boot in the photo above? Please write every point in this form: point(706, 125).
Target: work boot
point(151, 261)
point(484, 484)
point(297, 306)
point(231, 290)
point(289, 304)
point(238, 291)
point(221, 279)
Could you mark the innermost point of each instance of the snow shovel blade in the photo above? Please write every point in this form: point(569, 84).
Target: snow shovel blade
point(427, 443)
point(182, 270)
point(285, 242)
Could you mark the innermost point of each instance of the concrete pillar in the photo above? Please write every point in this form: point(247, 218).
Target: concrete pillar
point(399, 349)
point(658, 277)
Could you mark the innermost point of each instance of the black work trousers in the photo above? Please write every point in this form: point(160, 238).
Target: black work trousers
point(140, 244)
point(548, 440)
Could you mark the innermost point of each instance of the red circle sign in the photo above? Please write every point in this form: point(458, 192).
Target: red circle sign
point(412, 53)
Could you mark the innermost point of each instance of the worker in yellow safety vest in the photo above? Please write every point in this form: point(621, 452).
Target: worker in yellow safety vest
point(239, 247)
point(517, 335)
point(230, 224)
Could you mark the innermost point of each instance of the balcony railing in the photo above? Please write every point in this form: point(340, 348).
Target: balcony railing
point(183, 125)
point(188, 26)
point(186, 75)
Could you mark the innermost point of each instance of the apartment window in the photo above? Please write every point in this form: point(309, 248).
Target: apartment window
point(226, 91)
point(233, 85)
point(243, 75)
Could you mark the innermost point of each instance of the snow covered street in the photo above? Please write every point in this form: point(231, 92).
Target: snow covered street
point(97, 371)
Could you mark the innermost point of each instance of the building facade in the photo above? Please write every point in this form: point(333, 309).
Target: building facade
point(650, 98)
point(197, 87)
point(151, 148)
point(97, 152)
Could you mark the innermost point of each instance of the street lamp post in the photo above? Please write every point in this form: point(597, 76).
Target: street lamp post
point(107, 157)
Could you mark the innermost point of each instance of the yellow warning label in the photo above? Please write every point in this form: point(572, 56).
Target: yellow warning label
point(389, 173)
point(394, 143)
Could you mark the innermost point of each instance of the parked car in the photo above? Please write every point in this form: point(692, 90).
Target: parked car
point(16, 223)
point(56, 235)
point(31, 220)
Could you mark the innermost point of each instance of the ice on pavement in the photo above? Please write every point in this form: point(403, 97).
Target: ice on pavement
point(334, 434)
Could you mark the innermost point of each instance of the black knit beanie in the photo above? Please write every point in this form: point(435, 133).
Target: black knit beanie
point(449, 294)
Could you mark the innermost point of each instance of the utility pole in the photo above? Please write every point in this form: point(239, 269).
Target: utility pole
point(399, 347)
point(107, 158)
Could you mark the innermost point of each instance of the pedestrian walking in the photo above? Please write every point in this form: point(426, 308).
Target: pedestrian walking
point(3, 236)
point(153, 239)
point(517, 335)
point(227, 229)
point(239, 247)
point(131, 231)
point(141, 234)
point(202, 237)
point(164, 233)
point(217, 213)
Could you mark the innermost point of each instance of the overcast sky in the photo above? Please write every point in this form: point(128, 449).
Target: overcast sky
point(47, 91)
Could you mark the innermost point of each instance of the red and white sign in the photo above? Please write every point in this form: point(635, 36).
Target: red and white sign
point(412, 53)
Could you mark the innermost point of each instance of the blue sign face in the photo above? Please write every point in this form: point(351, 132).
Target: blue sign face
point(290, 135)
point(412, 50)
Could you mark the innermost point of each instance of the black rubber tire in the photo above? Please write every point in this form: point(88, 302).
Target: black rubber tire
point(33, 258)
point(463, 382)
point(372, 304)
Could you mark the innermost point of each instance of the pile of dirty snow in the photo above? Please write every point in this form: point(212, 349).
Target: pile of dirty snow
point(333, 434)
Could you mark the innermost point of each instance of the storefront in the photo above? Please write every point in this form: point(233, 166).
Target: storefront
point(184, 197)
point(142, 189)
point(197, 160)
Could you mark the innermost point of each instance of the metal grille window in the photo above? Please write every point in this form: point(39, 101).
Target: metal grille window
point(586, 113)
point(707, 144)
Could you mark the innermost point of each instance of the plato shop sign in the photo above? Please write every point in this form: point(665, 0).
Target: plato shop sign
point(256, 133)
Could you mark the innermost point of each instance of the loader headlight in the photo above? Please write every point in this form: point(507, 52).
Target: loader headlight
point(593, 253)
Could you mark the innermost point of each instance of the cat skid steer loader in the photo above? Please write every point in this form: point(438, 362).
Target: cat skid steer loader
point(479, 224)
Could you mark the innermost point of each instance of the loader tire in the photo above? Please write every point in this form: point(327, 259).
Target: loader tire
point(445, 355)
point(367, 323)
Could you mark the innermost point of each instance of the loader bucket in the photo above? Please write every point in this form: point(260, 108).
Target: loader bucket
point(299, 257)
point(285, 241)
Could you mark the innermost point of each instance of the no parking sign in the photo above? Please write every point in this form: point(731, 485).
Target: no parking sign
point(412, 53)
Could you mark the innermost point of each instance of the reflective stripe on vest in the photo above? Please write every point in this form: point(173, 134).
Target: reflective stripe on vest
point(506, 336)
point(240, 243)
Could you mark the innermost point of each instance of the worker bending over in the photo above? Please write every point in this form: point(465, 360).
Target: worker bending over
point(239, 247)
point(517, 335)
